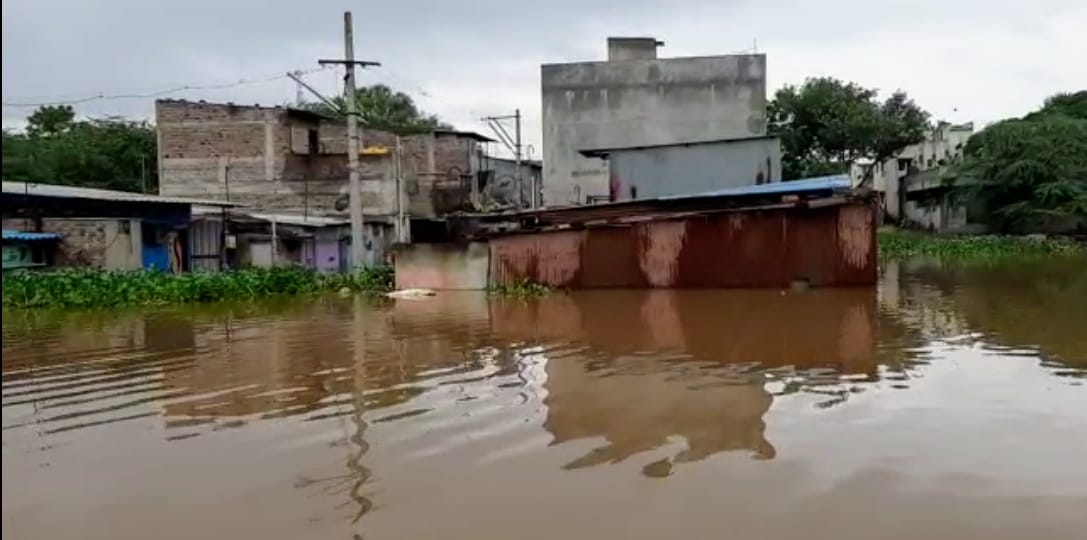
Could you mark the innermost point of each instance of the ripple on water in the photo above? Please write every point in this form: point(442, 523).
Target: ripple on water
point(329, 415)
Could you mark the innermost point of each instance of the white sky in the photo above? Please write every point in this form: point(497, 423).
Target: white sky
point(962, 60)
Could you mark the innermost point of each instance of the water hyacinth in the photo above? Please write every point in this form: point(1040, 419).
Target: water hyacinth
point(897, 244)
point(521, 288)
point(85, 288)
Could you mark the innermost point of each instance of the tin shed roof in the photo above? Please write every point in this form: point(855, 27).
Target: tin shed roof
point(72, 192)
point(819, 183)
point(827, 189)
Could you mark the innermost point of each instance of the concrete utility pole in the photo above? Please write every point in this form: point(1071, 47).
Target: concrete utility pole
point(513, 144)
point(358, 250)
point(517, 158)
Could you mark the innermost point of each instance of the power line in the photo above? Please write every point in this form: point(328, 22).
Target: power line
point(159, 93)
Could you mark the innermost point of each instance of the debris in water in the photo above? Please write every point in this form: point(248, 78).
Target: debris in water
point(410, 293)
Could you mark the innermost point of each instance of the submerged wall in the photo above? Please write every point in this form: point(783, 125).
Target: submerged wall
point(442, 266)
point(832, 246)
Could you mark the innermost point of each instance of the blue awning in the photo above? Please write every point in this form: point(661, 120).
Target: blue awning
point(29, 236)
point(820, 183)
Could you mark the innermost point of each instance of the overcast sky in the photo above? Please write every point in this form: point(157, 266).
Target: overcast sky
point(963, 60)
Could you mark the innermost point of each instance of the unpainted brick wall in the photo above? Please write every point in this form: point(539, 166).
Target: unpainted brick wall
point(218, 151)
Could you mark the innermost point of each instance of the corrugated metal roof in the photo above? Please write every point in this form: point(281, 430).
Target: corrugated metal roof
point(606, 151)
point(830, 189)
point(819, 183)
point(469, 134)
point(72, 192)
point(298, 219)
point(310, 220)
point(29, 236)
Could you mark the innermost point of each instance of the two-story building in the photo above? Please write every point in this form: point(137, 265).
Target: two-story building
point(294, 161)
point(909, 183)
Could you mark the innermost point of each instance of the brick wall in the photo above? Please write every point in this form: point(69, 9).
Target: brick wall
point(252, 155)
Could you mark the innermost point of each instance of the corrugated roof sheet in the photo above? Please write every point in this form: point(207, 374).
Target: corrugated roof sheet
point(29, 236)
point(820, 183)
point(298, 219)
point(831, 189)
point(72, 192)
point(459, 133)
point(281, 218)
point(606, 151)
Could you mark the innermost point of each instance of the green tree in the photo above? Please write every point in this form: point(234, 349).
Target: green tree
point(110, 153)
point(380, 107)
point(825, 125)
point(1072, 105)
point(1031, 171)
point(50, 120)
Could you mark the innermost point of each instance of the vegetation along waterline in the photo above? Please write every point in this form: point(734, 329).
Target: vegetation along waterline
point(521, 288)
point(93, 289)
point(101, 289)
point(898, 244)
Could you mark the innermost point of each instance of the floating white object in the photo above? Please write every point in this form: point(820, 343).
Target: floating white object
point(410, 293)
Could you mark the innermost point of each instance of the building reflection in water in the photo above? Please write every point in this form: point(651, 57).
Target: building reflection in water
point(689, 364)
point(664, 377)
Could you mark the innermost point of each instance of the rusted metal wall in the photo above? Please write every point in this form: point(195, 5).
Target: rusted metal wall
point(829, 246)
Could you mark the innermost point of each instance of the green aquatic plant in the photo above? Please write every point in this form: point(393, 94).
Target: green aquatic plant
point(87, 288)
point(897, 244)
point(521, 288)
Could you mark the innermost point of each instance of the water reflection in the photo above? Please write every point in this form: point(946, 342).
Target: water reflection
point(323, 412)
point(1036, 305)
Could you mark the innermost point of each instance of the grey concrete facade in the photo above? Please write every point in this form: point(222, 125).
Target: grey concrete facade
point(632, 48)
point(641, 102)
point(684, 169)
point(503, 189)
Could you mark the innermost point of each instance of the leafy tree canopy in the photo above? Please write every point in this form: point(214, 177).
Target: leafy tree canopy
point(56, 148)
point(380, 107)
point(1071, 105)
point(826, 124)
point(1029, 171)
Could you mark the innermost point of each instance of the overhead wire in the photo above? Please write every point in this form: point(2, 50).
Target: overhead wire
point(158, 93)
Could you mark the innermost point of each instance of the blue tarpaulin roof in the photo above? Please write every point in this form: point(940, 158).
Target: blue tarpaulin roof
point(29, 236)
point(820, 183)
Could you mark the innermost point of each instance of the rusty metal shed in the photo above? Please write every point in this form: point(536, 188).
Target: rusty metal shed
point(817, 231)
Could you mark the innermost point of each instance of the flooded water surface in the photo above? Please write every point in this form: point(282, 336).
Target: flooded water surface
point(946, 403)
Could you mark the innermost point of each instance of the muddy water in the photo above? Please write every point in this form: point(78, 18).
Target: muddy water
point(949, 403)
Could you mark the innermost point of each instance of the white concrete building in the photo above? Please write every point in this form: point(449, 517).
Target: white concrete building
point(915, 169)
point(635, 99)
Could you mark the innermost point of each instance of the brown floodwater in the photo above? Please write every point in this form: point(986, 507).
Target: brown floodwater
point(945, 403)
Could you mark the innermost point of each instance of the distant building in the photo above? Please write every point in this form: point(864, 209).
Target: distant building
point(909, 183)
point(286, 160)
point(264, 240)
point(690, 168)
point(635, 99)
point(100, 228)
point(502, 189)
point(24, 250)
